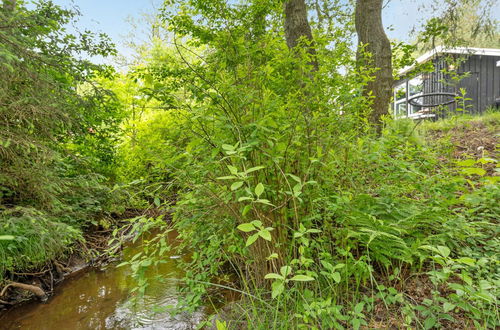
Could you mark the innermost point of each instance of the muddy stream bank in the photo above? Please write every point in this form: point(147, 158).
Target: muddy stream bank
point(101, 299)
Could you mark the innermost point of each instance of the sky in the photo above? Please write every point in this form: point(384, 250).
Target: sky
point(113, 16)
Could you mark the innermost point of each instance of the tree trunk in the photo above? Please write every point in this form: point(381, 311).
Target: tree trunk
point(297, 26)
point(372, 39)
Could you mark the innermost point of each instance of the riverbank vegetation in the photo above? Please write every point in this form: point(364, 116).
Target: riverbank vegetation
point(285, 181)
point(58, 130)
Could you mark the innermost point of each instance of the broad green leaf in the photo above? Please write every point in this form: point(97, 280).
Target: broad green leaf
point(297, 189)
point(466, 278)
point(285, 271)
point(7, 237)
point(273, 276)
point(444, 251)
point(466, 162)
point(356, 324)
point(467, 261)
point(302, 278)
point(277, 288)
point(448, 307)
point(157, 202)
point(259, 189)
point(253, 169)
point(359, 307)
point(339, 266)
point(232, 169)
point(296, 178)
point(257, 223)
point(430, 322)
point(246, 227)
point(272, 256)
point(252, 239)
point(473, 171)
point(228, 147)
point(265, 235)
point(241, 199)
point(336, 277)
point(236, 185)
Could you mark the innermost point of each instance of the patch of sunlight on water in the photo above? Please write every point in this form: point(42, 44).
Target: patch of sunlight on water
point(100, 299)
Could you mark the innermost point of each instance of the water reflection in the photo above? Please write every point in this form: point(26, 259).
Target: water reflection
point(100, 299)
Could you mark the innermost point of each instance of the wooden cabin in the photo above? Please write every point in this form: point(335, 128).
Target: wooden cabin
point(431, 94)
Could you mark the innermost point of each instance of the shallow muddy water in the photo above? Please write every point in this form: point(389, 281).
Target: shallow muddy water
point(101, 299)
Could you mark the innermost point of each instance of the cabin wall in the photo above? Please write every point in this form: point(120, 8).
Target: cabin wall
point(482, 85)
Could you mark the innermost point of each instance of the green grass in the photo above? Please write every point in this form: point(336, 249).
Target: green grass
point(37, 240)
point(491, 118)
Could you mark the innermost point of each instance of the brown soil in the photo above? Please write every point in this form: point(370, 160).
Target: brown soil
point(475, 139)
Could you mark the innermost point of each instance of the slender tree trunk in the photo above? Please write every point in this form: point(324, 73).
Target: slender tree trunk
point(297, 26)
point(372, 39)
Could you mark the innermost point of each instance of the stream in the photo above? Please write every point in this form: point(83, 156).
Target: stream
point(101, 299)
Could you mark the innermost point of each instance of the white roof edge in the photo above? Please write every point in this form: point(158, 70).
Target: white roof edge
point(451, 50)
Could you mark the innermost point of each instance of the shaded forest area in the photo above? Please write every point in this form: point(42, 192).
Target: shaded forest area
point(261, 132)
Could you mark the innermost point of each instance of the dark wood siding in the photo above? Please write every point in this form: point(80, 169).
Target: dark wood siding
point(482, 84)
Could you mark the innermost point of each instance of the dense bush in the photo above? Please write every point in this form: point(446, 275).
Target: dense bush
point(283, 192)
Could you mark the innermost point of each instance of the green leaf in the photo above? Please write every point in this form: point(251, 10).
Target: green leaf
point(448, 307)
point(246, 227)
point(220, 325)
point(277, 288)
point(430, 322)
point(264, 201)
point(7, 237)
point(356, 324)
point(313, 231)
point(229, 177)
point(359, 307)
point(285, 271)
point(228, 147)
point(336, 277)
point(339, 266)
point(272, 256)
point(232, 169)
point(257, 223)
point(253, 169)
point(241, 199)
point(236, 185)
point(444, 251)
point(302, 278)
point(273, 276)
point(252, 239)
point(259, 189)
point(467, 261)
point(473, 171)
point(246, 209)
point(265, 235)
point(466, 162)
point(297, 189)
point(157, 202)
